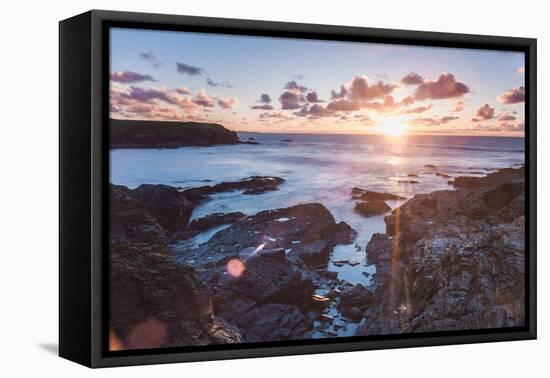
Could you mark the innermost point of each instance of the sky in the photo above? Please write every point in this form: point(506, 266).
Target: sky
point(267, 84)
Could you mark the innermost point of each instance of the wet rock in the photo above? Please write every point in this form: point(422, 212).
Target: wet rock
point(443, 175)
point(430, 166)
point(250, 185)
point(250, 140)
point(164, 202)
point(408, 182)
point(372, 207)
point(147, 309)
point(367, 195)
point(214, 220)
point(451, 260)
point(307, 230)
point(412, 175)
point(357, 296)
point(352, 313)
point(506, 175)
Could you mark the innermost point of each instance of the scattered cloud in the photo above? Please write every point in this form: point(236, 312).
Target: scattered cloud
point(293, 85)
point(507, 117)
point(484, 113)
point(262, 107)
point(459, 106)
point(228, 103)
point(190, 70)
point(360, 89)
point(418, 109)
point(291, 99)
point(147, 55)
point(265, 99)
point(446, 86)
point(313, 97)
point(203, 99)
point(224, 84)
point(520, 70)
point(513, 96)
point(183, 90)
point(341, 94)
point(265, 103)
point(130, 77)
point(412, 79)
point(432, 121)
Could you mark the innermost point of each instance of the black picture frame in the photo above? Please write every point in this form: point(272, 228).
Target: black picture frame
point(83, 180)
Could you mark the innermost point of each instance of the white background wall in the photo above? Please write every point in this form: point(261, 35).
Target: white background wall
point(29, 189)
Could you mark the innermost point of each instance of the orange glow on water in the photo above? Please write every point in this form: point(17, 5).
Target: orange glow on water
point(235, 268)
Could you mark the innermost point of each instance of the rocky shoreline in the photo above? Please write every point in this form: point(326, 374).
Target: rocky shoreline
point(449, 260)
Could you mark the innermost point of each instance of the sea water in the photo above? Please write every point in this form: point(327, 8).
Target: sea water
point(319, 168)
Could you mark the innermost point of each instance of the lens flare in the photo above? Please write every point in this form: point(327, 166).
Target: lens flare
point(235, 268)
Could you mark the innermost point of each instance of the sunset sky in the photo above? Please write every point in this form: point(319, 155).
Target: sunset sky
point(293, 85)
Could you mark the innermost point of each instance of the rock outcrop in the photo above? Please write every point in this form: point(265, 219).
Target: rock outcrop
point(452, 260)
point(154, 302)
point(165, 134)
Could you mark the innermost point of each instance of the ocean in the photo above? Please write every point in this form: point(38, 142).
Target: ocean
point(319, 168)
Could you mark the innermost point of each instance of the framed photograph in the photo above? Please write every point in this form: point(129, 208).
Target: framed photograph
point(234, 188)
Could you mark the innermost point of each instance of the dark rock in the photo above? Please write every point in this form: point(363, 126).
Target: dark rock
point(443, 175)
point(214, 220)
point(250, 140)
point(430, 166)
point(353, 313)
point(357, 296)
point(506, 175)
point(288, 228)
point(147, 308)
point(169, 206)
point(314, 254)
point(250, 185)
point(452, 260)
point(367, 195)
point(286, 140)
point(412, 175)
point(163, 134)
point(408, 182)
point(372, 207)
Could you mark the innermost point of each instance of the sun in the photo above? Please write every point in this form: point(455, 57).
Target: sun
point(393, 127)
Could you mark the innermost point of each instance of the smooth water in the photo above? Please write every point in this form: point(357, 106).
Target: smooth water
point(319, 168)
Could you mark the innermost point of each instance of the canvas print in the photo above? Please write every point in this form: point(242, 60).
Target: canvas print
point(270, 189)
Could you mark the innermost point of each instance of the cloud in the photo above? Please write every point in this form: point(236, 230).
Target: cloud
point(341, 94)
point(313, 97)
point(459, 106)
point(147, 55)
point(513, 96)
point(228, 103)
point(507, 117)
point(265, 103)
point(130, 77)
point(146, 95)
point(314, 111)
point(188, 69)
point(224, 84)
point(360, 89)
point(419, 109)
point(265, 99)
point(183, 90)
point(447, 119)
point(293, 85)
point(484, 113)
point(444, 87)
point(291, 99)
point(432, 121)
point(276, 115)
point(412, 79)
point(344, 105)
point(520, 70)
point(203, 99)
point(262, 107)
